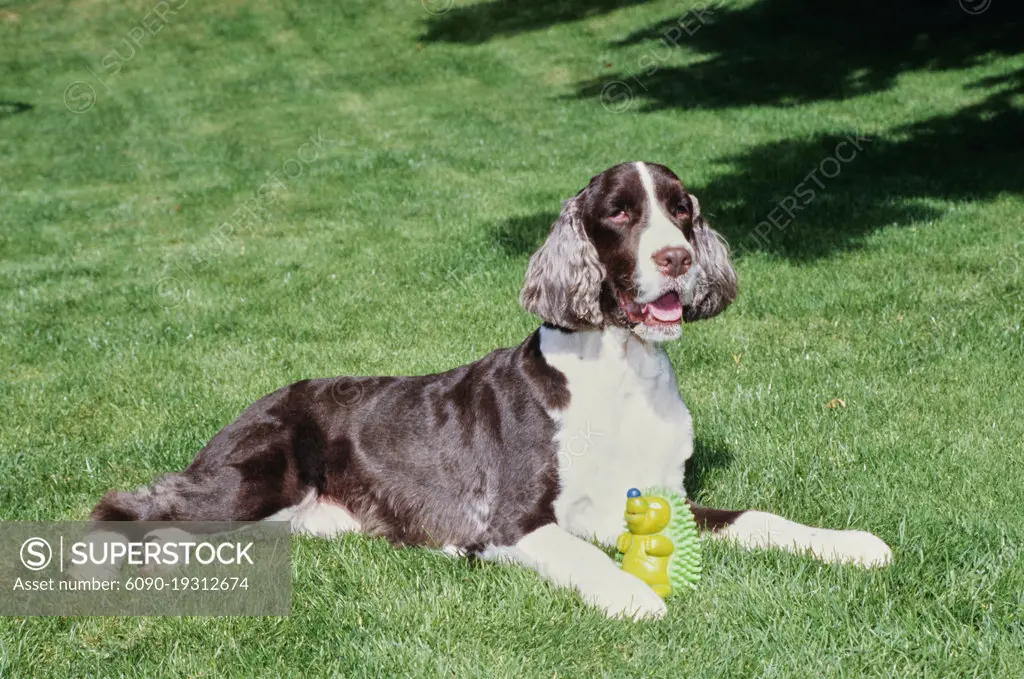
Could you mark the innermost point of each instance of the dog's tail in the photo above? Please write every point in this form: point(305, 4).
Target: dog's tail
point(173, 497)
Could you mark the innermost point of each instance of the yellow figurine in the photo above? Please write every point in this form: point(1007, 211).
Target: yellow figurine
point(660, 546)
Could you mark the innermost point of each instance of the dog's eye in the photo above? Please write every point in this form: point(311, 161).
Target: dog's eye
point(682, 211)
point(619, 216)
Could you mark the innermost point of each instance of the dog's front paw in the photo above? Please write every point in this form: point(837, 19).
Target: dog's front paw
point(627, 596)
point(863, 549)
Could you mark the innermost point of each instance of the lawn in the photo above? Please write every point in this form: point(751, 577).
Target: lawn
point(200, 202)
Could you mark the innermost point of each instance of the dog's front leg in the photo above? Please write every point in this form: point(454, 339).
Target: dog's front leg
point(566, 560)
point(756, 530)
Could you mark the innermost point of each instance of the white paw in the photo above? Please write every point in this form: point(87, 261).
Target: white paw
point(99, 562)
point(627, 596)
point(170, 554)
point(453, 551)
point(88, 572)
point(861, 548)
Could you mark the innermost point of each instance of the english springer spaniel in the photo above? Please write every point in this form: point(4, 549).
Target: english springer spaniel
point(525, 455)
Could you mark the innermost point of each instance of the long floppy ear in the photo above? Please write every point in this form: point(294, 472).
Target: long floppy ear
point(714, 287)
point(563, 279)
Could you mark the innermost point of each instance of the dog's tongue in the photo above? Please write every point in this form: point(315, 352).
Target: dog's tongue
point(667, 308)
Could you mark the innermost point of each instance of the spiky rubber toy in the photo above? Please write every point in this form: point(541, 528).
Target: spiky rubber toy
point(660, 545)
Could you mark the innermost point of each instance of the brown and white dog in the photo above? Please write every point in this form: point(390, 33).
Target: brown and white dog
point(526, 454)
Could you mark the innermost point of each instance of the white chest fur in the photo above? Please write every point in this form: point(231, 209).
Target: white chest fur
point(626, 426)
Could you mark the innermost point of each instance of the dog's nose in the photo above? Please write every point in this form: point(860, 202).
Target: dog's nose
point(673, 261)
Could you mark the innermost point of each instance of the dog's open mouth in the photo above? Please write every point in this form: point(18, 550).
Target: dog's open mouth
point(666, 310)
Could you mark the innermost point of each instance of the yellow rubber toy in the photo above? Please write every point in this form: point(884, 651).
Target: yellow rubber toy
point(660, 545)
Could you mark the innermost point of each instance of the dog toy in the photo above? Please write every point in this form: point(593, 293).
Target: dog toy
point(660, 545)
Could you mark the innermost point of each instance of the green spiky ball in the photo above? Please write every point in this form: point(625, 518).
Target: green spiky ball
point(684, 561)
point(685, 564)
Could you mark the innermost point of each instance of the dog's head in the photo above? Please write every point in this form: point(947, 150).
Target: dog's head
point(630, 250)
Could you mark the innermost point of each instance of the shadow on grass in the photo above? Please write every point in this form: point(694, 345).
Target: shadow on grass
point(477, 24)
point(780, 198)
point(789, 52)
point(708, 456)
point(809, 198)
point(518, 236)
point(12, 108)
point(793, 197)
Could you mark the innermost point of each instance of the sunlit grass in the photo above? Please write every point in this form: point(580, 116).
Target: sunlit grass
point(133, 326)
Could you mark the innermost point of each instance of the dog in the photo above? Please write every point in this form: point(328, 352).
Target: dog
point(527, 454)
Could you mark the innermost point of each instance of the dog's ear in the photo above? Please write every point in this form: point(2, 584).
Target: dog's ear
point(563, 279)
point(714, 285)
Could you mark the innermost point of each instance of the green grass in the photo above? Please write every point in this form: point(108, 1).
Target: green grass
point(400, 249)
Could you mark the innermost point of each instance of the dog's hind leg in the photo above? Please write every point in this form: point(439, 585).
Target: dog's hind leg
point(754, 530)
point(315, 515)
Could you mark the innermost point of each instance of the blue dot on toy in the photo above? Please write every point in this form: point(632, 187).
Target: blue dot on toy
point(633, 492)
